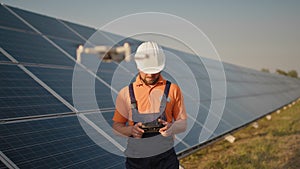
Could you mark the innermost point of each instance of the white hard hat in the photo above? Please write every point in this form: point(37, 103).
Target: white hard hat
point(150, 58)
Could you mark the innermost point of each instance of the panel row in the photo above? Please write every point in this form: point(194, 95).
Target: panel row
point(21, 96)
point(55, 143)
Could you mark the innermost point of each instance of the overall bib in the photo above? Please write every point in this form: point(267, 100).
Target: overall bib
point(152, 148)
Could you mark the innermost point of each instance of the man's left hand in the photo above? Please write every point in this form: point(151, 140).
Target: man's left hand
point(166, 130)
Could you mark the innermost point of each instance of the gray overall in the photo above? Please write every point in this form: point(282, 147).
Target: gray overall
point(152, 148)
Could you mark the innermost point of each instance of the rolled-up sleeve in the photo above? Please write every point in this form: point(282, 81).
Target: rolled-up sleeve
point(122, 107)
point(179, 111)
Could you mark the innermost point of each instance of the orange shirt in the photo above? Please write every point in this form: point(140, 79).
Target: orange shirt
point(148, 101)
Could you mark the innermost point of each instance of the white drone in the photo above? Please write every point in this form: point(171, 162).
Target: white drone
point(106, 53)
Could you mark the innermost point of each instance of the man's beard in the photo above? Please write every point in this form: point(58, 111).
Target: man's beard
point(150, 82)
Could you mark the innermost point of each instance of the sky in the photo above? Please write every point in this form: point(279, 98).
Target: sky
point(256, 34)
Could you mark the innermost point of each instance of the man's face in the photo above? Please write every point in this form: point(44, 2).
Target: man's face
point(149, 79)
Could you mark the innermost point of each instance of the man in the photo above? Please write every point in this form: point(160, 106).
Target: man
point(150, 112)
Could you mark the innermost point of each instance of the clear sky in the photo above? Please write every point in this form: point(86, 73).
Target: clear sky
point(256, 34)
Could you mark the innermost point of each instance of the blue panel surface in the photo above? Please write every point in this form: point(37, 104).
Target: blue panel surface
point(2, 166)
point(21, 96)
point(84, 31)
point(42, 24)
point(106, 71)
point(68, 46)
point(192, 138)
point(53, 143)
point(9, 21)
point(31, 48)
point(180, 147)
point(3, 58)
point(61, 81)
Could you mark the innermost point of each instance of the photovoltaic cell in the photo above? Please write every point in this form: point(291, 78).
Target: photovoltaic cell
point(53, 143)
point(233, 76)
point(231, 118)
point(2, 166)
point(21, 96)
point(69, 46)
point(84, 31)
point(61, 81)
point(9, 21)
point(106, 71)
point(4, 58)
point(42, 23)
point(234, 105)
point(192, 138)
point(180, 147)
point(203, 111)
point(102, 119)
point(234, 89)
point(31, 48)
point(214, 117)
point(221, 129)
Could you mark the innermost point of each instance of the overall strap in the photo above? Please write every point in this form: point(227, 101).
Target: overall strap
point(167, 88)
point(164, 100)
point(133, 102)
point(132, 97)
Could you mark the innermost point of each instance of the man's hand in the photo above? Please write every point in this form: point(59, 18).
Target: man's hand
point(178, 126)
point(166, 130)
point(123, 130)
point(136, 131)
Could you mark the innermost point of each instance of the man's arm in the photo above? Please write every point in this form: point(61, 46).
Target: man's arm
point(176, 127)
point(179, 113)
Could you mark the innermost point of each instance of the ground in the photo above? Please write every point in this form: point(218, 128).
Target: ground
point(274, 144)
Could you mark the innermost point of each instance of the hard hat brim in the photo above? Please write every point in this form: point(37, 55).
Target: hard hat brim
point(152, 70)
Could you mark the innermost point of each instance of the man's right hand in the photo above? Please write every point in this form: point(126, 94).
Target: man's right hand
point(136, 131)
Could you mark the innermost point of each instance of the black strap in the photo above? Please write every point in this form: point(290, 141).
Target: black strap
point(167, 88)
point(134, 102)
point(166, 94)
point(132, 96)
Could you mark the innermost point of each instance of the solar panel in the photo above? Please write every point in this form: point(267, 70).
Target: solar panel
point(21, 96)
point(68, 45)
point(2, 165)
point(43, 131)
point(60, 80)
point(9, 21)
point(249, 94)
point(53, 143)
point(235, 105)
point(192, 138)
point(106, 71)
point(3, 58)
point(42, 23)
point(31, 48)
point(84, 31)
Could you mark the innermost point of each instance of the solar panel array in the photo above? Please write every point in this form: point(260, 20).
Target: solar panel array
point(39, 127)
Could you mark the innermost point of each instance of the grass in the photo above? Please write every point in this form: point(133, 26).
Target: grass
point(274, 144)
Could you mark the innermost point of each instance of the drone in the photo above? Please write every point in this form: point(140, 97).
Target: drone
point(106, 53)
